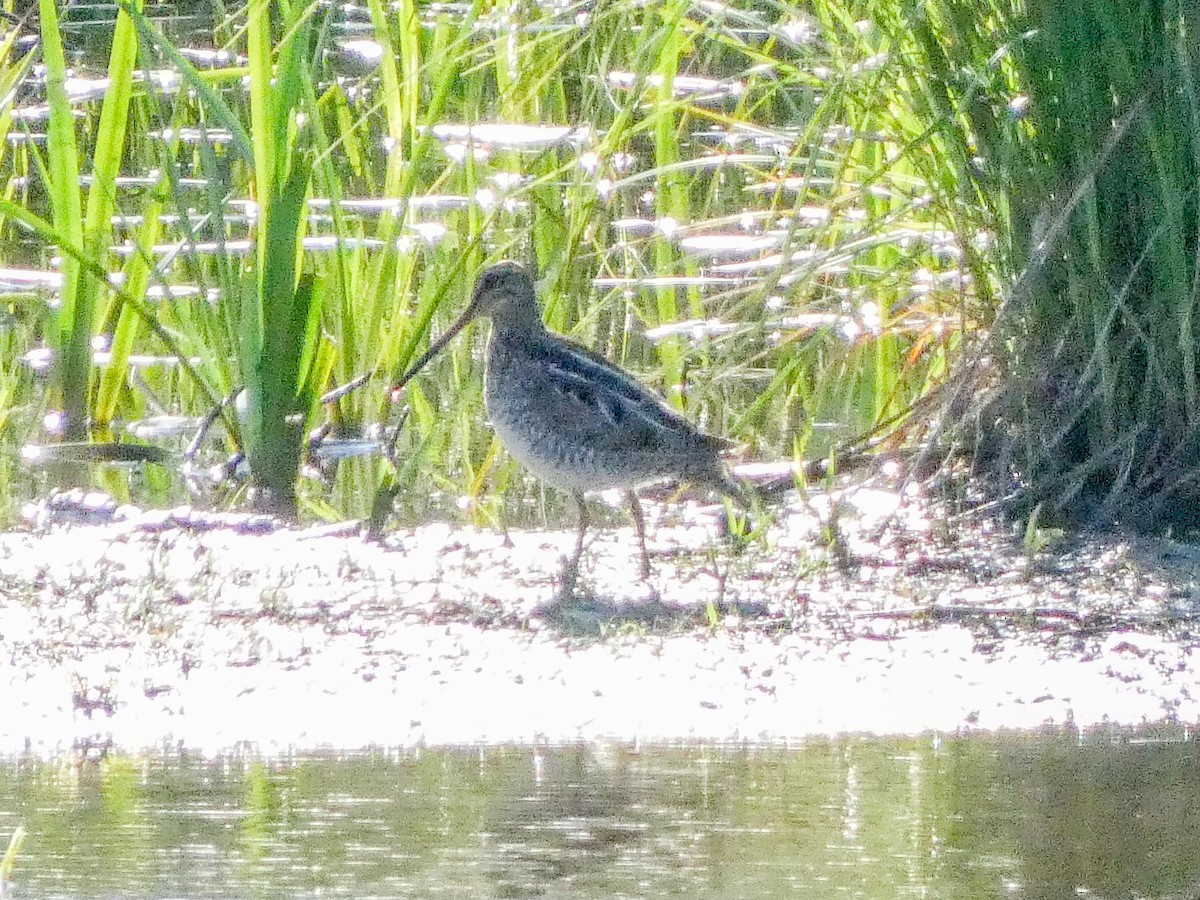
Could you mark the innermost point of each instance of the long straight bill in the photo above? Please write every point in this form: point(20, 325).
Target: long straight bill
point(434, 349)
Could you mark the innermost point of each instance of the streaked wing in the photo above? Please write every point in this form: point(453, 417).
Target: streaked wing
point(600, 405)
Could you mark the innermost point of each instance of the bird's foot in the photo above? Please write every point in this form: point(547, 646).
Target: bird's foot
point(644, 592)
point(568, 579)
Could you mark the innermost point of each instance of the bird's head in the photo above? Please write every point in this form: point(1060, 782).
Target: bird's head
point(503, 293)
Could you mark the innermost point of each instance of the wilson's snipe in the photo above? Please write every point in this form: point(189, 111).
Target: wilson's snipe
point(572, 417)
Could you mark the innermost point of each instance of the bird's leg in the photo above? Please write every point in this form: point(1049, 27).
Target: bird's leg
point(639, 524)
point(583, 524)
point(571, 569)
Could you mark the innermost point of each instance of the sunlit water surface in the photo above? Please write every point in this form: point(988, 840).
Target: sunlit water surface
point(779, 254)
point(1050, 816)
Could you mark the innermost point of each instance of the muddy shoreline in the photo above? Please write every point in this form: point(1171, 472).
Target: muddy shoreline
point(143, 632)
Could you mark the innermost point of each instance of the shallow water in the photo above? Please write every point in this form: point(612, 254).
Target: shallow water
point(979, 816)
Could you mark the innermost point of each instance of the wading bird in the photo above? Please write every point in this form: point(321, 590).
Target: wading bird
point(570, 416)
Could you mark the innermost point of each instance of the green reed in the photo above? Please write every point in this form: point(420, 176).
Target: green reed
point(280, 324)
point(70, 329)
point(1073, 130)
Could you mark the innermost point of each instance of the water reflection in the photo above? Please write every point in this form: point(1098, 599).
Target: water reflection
point(1015, 816)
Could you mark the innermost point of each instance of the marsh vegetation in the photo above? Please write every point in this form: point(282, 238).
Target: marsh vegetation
point(288, 200)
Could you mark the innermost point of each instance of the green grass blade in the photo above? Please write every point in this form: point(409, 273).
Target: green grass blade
point(276, 320)
point(70, 326)
point(106, 166)
point(112, 379)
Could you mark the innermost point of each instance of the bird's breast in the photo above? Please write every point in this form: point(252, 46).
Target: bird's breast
point(535, 439)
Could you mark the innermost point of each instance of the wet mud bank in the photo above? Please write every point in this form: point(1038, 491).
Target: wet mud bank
point(163, 629)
